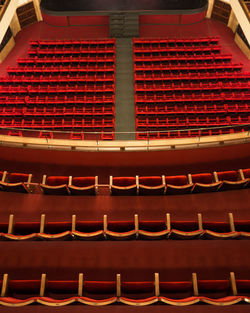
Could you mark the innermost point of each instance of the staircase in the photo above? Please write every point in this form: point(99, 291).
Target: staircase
point(124, 25)
point(125, 108)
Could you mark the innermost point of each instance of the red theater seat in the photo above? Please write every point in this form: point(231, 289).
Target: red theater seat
point(138, 293)
point(123, 185)
point(55, 185)
point(245, 175)
point(98, 293)
point(229, 180)
point(214, 289)
point(177, 293)
point(83, 185)
point(178, 185)
point(152, 185)
point(154, 229)
point(87, 230)
point(121, 230)
point(203, 182)
point(17, 182)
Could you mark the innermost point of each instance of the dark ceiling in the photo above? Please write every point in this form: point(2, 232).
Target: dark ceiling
point(121, 5)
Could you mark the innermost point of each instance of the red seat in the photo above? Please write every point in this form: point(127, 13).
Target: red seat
point(204, 182)
point(178, 185)
point(55, 185)
point(17, 182)
point(123, 185)
point(83, 185)
point(229, 180)
point(152, 185)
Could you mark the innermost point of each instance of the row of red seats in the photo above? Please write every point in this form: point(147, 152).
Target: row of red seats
point(89, 69)
point(124, 230)
point(107, 110)
point(83, 56)
point(193, 108)
point(84, 123)
point(106, 87)
point(163, 42)
point(152, 135)
point(87, 99)
point(150, 66)
point(190, 77)
point(203, 97)
point(60, 111)
point(71, 52)
point(75, 134)
point(63, 60)
point(221, 292)
point(161, 57)
point(93, 43)
point(161, 122)
point(56, 79)
point(192, 49)
point(200, 84)
point(155, 86)
point(142, 185)
point(84, 48)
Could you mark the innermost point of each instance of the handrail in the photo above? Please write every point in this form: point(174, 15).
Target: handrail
point(245, 9)
point(242, 17)
point(124, 145)
point(6, 16)
point(3, 9)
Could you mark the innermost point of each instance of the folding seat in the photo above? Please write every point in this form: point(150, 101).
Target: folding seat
point(55, 185)
point(120, 230)
point(58, 292)
point(55, 230)
point(178, 293)
point(17, 133)
point(245, 175)
point(242, 289)
point(185, 229)
point(219, 230)
point(243, 228)
point(21, 230)
point(17, 293)
point(47, 135)
point(83, 185)
point(152, 185)
point(203, 182)
point(97, 293)
point(137, 293)
point(123, 185)
point(216, 292)
point(229, 180)
point(154, 229)
point(17, 182)
point(87, 230)
point(178, 185)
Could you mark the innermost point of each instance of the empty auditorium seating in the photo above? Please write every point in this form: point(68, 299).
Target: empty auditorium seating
point(70, 79)
point(126, 185)
point(170, 77)
point(17, 292)
point(68, 185)
point(132, 229)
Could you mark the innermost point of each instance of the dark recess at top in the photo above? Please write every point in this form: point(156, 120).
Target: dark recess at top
point(121, 5)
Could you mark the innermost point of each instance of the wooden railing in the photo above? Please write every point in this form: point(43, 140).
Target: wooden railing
point(126, 145)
